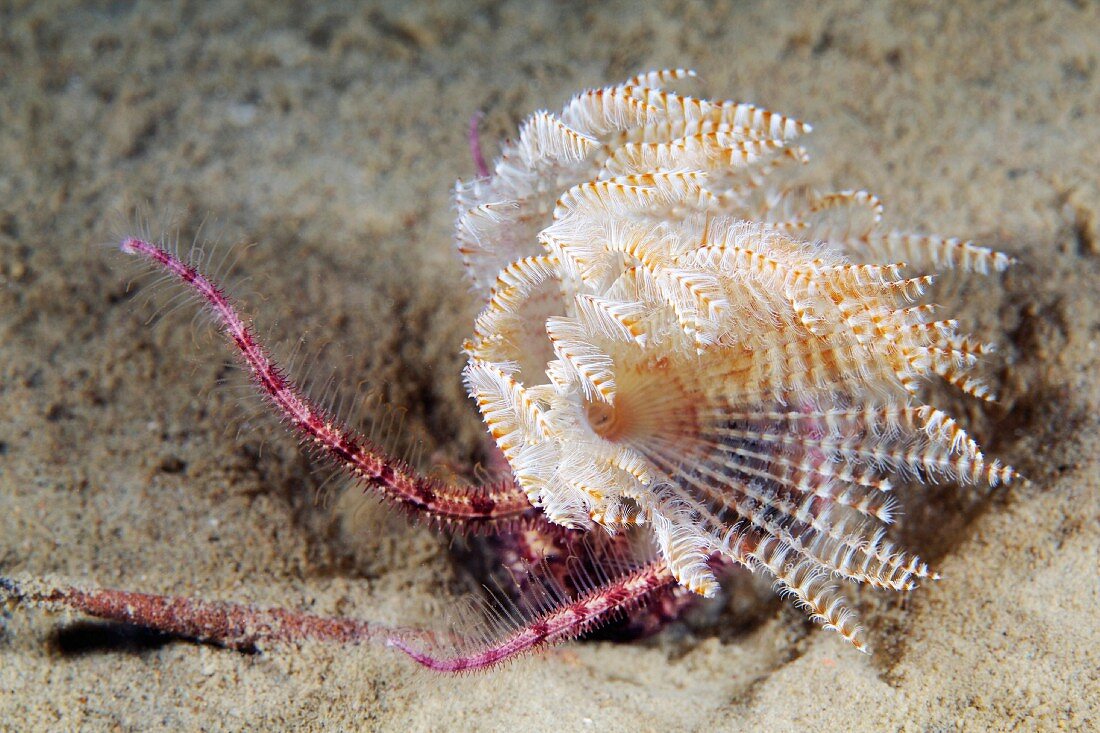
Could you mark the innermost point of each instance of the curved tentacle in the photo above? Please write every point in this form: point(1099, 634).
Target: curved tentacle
point(247, 628)
point(562, 619)
point(469, 508)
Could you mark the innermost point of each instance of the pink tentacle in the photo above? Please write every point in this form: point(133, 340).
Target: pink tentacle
point(232, 625)
point(556, 624)
point(473, 508)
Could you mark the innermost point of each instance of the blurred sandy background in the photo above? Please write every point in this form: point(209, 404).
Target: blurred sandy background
point(331, 138)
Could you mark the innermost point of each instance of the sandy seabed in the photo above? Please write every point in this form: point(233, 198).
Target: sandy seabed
point(331, 138)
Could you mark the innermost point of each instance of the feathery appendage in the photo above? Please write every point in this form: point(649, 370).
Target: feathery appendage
point(232, 625)
point(493, 635)
point(546, 614)
point(476, 509)
point(668, 339)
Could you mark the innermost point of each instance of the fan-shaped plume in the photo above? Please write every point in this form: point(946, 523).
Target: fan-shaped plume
point(669, 339)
